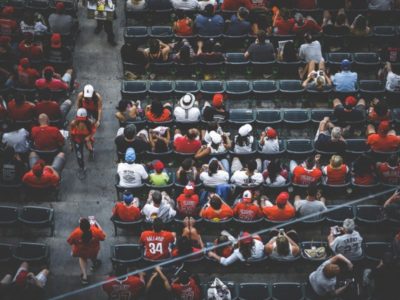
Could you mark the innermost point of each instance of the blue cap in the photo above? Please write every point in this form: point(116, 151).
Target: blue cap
point(130, 155)
point(345, 64)
point(127, 198)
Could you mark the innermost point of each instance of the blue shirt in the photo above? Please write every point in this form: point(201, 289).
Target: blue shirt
point(238, 27)
point(345, 81)
point(209, 26)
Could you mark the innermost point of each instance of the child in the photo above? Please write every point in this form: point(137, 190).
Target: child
point(159, 177)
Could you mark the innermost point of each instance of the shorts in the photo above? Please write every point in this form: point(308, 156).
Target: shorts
point(67, 78)
point(23, 272)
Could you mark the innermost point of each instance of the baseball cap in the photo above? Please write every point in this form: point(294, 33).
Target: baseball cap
point(130, 155)
point(215, 137)
point(282, 198)
point(350, 101)
point(88, 91)
point(81, 114)
point(218, 100)
point(298, 17)
point(247, 197)
point(384, 127)
point(130, 131)
point(246, 238)
point(55, 41)
point(245, 130)
point(187, 101)
point(188, 190)
point(345, 64)
point(348, 224)
point(158, 166)
point(271, 133)
point(60, 6)
point(8, 11)
point(4, 40)
point(24, 62)
point(127, 197)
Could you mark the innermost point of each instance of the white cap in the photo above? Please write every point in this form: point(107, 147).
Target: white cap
point(187, 101)
point(247, 196)
point(349, 225)
point(216, 138)
point(245, 129)
point(81, 113)
point(88, 91)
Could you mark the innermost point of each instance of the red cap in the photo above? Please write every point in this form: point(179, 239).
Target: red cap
point(246, 238)
point(188, 190)
point(24, 62)
point(55, 41)
point(218, 100)
point(4, 40)
point(384, 127)
point(282, 198)
point(158, 166)
point(350, 101)
point(271, 133)
point(247, 197)
point(60, 6)
point(38, 167)
point(8, 11)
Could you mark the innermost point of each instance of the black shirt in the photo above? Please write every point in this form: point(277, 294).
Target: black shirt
point(325, 143)
point(210, 114)
point(139, 145)
point(261, 52)
point(353, 115)
point(12, 172)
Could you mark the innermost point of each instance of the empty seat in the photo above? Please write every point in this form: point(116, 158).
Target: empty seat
point(374, 251)
point(163, 33)
point(253, 291)
point(334, 59)
point(126, 254)
point(262, 67)
point(6, 252)
point(263, 89)
point(300, 147)
point(369, 214)
point(367, 61)
point(239, 116)
point(211, 87)
point(137, 34)
point(296, 116)
point(134, 89)
point(356, 146)
point(35, 216)
point(161, 88)
point(268, 117)
point(238, 89)
point(186, 86)
point(287, 291)
point(318, 114)
point(383, 35)
point(338, 215)
point(236, 62)
point(371, 88)
point(31, 252)
point(291, 87)
point(8, 215)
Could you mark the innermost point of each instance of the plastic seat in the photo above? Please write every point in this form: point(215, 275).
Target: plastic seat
point(186, 86)
point(289, 68)
point(383, 35)
point(287, 291)
point(264, 89)
point(370, 89)
point(356, 147)
point(8, 215)
point(334, 59)
point(253, 291)
point(234, 42)
point(217, 225)
point(367, 61)
point(137, 34)
point(38, 5)
point(238, 89)
point(296, 116)
point(268, 117)
point(369, 214)
point(338, 215)
point(318, 114)
point(161, 68)
point(134, 90)
point(240, 116)
point(282, 149)
point(236, 62)
point(163, 33)
point(126, 254)
point(186, 70)
point(31, 252)
point(300, 147)
point(316, 244)
point(292, 88)
point(161, 88)
point(35, 216)
point(374, 251)
point(6, 252)
point(125, 224)
point(262, 67)
point(211, 87)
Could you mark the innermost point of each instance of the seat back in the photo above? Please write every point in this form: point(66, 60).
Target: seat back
point(8, 215)
point(337, 216)
point(35, 214)
point(253, 291)
point(287, 291)
point(31, 252)
point(126, 252)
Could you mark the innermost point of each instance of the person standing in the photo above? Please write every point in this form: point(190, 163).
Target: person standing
point(104, 22)
point(92, 101)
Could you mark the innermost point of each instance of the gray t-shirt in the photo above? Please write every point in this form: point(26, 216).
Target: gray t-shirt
point(312, 51)
point(61, 24)
point(17, 139)
point(261, 52)
point(305, 207)
point(321, 285)
point(350, 245)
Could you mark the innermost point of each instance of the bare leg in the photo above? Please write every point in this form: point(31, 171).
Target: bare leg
point(83, 266)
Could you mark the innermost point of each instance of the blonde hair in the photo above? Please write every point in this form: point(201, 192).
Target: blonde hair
point(282, 245)
point(336, 161)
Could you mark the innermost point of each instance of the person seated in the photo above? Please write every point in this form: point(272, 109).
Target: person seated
point(283, 24)
point(275, 174)
point(384, 140)
point(47, 105)
point(392, 79)
point(364, 170)
point(58, 52)
point(216, 209)
point(127, 111)
point(157, 242)
point(30, 49)
point(309, 52)
point(249, 248)
point(187, 203)
point(345, 80)
point(183, 26)
point(53, 81)
point(60, 22)
point(159, 139)
point(127, 210)
point(283, 245)
point(131, 53)
point(360, 27)
point(214, 173)
point(209, 51)
point(157, 52)
point(307, 172)
point(185, 4)
point(329, 142)
point(26, 75)
point(283, 210)
point(8, 25)
point(46, 137)
point(186, 284)
point(12, 168)
point(339, 27)
point(247, 176)
point(238, 24)
point(269, 141)
point(389, 172)
point(218, 144)
point(158, 205)
point(260, 50)
point(380, 5)
point(129, 139)
point(188, 143)
point(243, 141)
point(136, 5)
point(247, 209)
point(336, 172)
point(216, 111)
point(131, 174)
point(189, 231)
point(187, 172)
point(41, 176)
point(159, 177)
point(208, 23)
point(350, 111)
point(287, 53)
point(19, 109)
point(185, 54)
point(187, 110)
point(317, 79)
point(346, 240)
point(227, 249)
point(16, 138)
point(391, 206)
point(303, 25)
point(184, 247)
point(157, 112)
point(314, 203)
point(378, 111)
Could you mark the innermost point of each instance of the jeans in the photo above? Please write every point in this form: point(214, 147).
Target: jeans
point(108, 28)
point(65, 108)
point(57, 164)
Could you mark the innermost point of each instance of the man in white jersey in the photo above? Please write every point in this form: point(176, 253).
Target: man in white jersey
point(349, 243)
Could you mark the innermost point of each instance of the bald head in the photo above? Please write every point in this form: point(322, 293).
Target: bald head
point(43, 119)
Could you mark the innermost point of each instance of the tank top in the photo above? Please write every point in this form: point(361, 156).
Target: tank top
point(79, 133)
point(336, 176)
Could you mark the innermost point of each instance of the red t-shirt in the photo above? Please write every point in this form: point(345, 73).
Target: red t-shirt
point(86, 250)
point(47, 138)
point(236, 4)
point(274, 213)
point(284, 27)
point(53, 85)
point(165, 116)
point(183, 27)
point(156, 244)
point(175, 253)
point(126, 213)
point(33, 51)
point(27, 77)
point(388, 174)
point(24, 112)
point(48, 179)
point(303, 176)
point(50, 108)
point(210, 214)
point(305, 4)
point(7, 26)
point(373, 116)
point(187, 206)
point(387, 143)
point(189, 291)
point(366, 179)
point(308, 26)
point(247, 211)
point(336, 176)
point(185, 145)
point(129, 288)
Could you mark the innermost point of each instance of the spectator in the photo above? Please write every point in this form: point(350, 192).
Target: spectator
point(19, 109)
point(246, 209)
point(209, 51)
point(131, 53)
point(158, 286)
point(350, 111)
point(127, 210)
point(159, 177)
point(26, 74)
point(384, 140)
point(121, 285)
point(157, 52)
point(127, 111)
point(392, 79)
point(303, 25)
point(282, 245)
point(42, 176)
point(392, 206)
point(186, 287)
point(158, 206)
point(7, 54)
point(159, 139)
point(8, 25)
point(185, 4)
point(283, 23)
point(33, 23)
point(187, 111)
point(378, 111)
point(243, 142)
point(208, 23)
point(11, 167)
point(329, 142)
point(92, 101)
point(227, 249)
point(184, 53)
point(156, 242)
point(47, 105)
point(46, 137)
point(346, 241)
point(389, 172)
point(187, 172)
point(131, 174)
point(157, 112)
point(188, 143)
point(129, 139)
point(136, 5)
point(57, 51)
point(260, 50)
point(249, 248)
point(281, 211)
point(364, 170)
point(184, 247)
point(276, 174)
point(340, 27)
point(317, 79)
point(187, 202)
point(382, 5)
point(60, 22)
point(17, 139)
point(234, 5)
point(52, 82)
point(345, 80)
point(269, 141)
point(287, 53)
point(314, 203)
point(336, 172)
point(323, 281)
point(216, 111)
point(85, 241)
point(30, 49)
point(238, 24)
point(214, 173)
point(360, 27)
point(308, 172)
point(247, 176)
point(183, 26)
point(191, 233)
point(219, 144)
point(216, 209)
point(310, 51)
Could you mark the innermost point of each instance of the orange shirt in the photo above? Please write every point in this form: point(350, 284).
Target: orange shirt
point(126, 213)
point(224, 213)
point(388, 174)
point(165, 116)
point(247, 211)
point(86, 250)
point(304, 176)
point(336, 176)
point(156, 244)
point(274, 213)
point(382, 143)
point(187, 206)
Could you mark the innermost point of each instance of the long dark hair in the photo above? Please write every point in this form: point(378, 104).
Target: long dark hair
point(274, 168)
point(94, 98)
point(87, 235)
point(245, 249)
point(156, 108)
point(213, 167)
point(242, 140)
point(363, 165)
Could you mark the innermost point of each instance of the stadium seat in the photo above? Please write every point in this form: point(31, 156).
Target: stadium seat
point(370, 89)
point(34, 216)
point(356, 147)
point(268, 117)
point(287, 291)
point(162, 68)
point(234, 42)
point(136, 34)
point(264, 89)
point(47, 156)
point(367, 62)
point(296, 116)
point(186, 86)
point(253, 291)
point(262, 68)
point(31, 252)
point(318, 114)
point(134, 90)
point(8, 216)
point(161, 89)
point(163, 33)
point(211, 87)
point(186, 70)
point(238, 89)
point(312, 221)
point(250, 226)
point(236, 63)
point(316, 244)
point(291, 88)
point(334, 59)
point(337, 216)
point(374, 251)
point(135, 225)
point(336, 41)
point(300, 147)
point(215, 68)
point(241, 116)
point(364, 189)
point(289, 69)
point(126, 254)
point(217, 226)
point(383, 35)
point(369, 214)
point(6, 253)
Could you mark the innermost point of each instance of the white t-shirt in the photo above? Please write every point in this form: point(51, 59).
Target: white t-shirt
point(241, 178)
point(246, 148)
point(279, 181)
point(185, 4)
point(392, 82)
point(203, 4)
point(220, 177)
point(312, 51)
point(321, 285)
point(350, 245)
point(131, 175)
point(270, 146)
point(190, 115)
point(256, 252)
point(221, 148)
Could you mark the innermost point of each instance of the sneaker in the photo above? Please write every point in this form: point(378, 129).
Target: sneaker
point(84, 281)
point(82, 173)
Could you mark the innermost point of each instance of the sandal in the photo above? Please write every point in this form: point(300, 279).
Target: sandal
point(96, 264)
point(84, 281)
